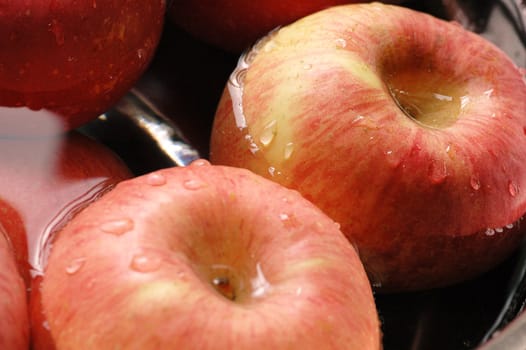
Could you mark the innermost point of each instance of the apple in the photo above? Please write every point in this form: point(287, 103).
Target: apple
point(14, 324)
point(407, 130)
point(233, 25)
point(206, 257)
point(73, 58)
point(44, 181)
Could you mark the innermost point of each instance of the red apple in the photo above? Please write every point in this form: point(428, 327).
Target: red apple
point(14, 323)
point(44, 182)
point(75, 58)
point(406, 129)
point(235, 24)
point(206, 257)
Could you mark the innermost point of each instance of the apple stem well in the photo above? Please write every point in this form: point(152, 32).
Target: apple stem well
point(426, 98)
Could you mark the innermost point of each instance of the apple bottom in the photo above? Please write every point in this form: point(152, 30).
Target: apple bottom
point(206, 257)
point(443, 259)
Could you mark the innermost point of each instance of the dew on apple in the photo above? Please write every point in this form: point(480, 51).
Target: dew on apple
point(268, 133)
point(490, 232)
point(437, 172)
point(144, 262)
point(200, 162)
point(475, 183)
point(283, 216)
point(193, 184)
point(155, 179)
point(260, 285)
point(513, 188)
point(341, 43)
point(289, 149)
point(75, 265)
point(117, 227)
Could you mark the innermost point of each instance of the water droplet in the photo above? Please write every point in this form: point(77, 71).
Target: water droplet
point(475, 183)
point(260, 284)
point(193, 184)
point(145, 262)
point(490, 232)
point(268, 133)
point(340, 43)
point(357, 119)
point(437, 172)
point(75, 265)
point(289, 149)
point(307, 66)
point(271, 171)
point(513, 188)
point(499, 230)
point(200, 162)
point(118, 226)
point(156, 179)
point(488, 93)
point(464, 101)
point(283, 217)
point(46, 326)
point(298, 291)
point(141, 53)
point(252, 146)
point(509, 226)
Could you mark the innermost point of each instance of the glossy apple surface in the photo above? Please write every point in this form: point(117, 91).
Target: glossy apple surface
point(234, 25)
point(206, 257)
point(75, 58)
point(14, 323)
point(407, 130)
point(44, 182)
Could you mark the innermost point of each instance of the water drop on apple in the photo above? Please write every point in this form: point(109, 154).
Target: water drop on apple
point(193, 184)
point(268, 133)
point(513, 189)
point(155, 179)
point(75, 265)
point(289, 149)
point(117, 227)
point(145, 262)
point(475, 183)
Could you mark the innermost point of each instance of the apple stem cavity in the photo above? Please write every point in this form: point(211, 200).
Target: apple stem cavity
point(429, 104)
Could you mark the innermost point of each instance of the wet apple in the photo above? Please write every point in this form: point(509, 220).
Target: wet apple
point(75, 58)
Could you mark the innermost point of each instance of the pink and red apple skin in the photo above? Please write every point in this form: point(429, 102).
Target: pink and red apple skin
point(135, 269)
point(426, 206)
point(234, 25)
point(14, 323)
point(44, 182)
point(74, 57)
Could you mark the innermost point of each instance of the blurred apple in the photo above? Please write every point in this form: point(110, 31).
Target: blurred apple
point(407, 130)
point(206, 257)
point(75, 58)
point(44, 182)
point(14, 323)
point(234, 25)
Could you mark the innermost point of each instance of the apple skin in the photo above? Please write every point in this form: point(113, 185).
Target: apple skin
point(44, 181)
point(234, 25)
point(14, 323)
point(75, 57)
point(135, 269)
point(427, 205)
